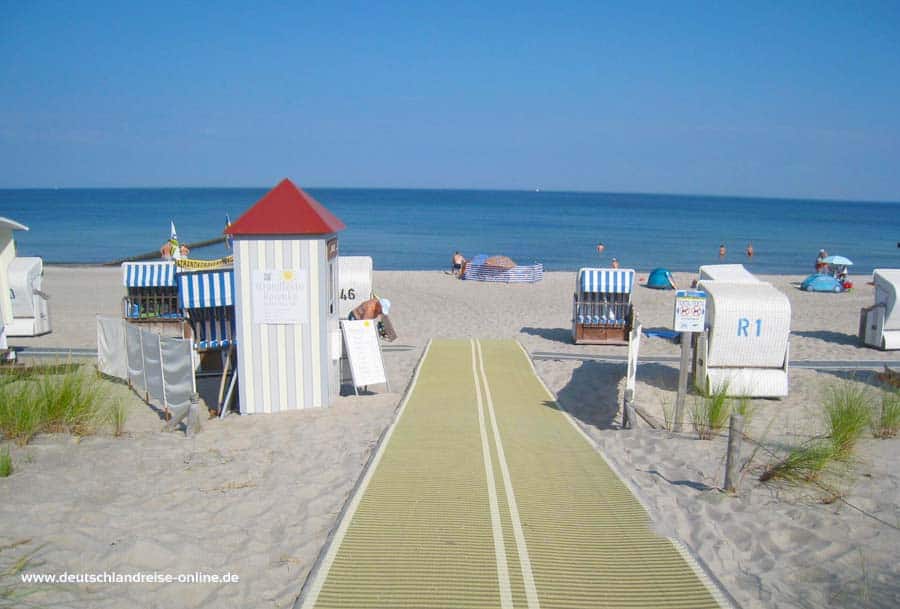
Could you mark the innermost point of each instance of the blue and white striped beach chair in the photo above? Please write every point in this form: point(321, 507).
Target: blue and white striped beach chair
point(151, 289)
point(602, 313)
point(207, 297)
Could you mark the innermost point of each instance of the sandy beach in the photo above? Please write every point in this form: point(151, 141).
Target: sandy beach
point(257, 496)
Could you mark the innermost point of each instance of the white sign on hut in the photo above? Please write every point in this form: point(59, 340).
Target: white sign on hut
point(286, 284)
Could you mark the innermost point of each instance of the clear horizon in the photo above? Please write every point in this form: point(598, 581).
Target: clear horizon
point(765, 101)
point(463, 189)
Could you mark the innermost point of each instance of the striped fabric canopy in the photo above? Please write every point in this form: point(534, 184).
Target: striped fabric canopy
point(607, 281)
point(206, 289)
point(159, 274)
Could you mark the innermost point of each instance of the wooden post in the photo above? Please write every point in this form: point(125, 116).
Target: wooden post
point(628, 417)
point(682, 381)
point(192, 426)
point(732, 459)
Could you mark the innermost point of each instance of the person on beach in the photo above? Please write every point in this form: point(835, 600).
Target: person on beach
point(457, 264)
point(721, 251)
point(371, 309)
point(615, 263)
point(750, 250)
point(821, 265)
point(377, 309)
point(171, 250)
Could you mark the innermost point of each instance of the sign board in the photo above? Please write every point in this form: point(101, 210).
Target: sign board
point(280, 296)
point(355, 283)
point(363, 352)
point(690, 311)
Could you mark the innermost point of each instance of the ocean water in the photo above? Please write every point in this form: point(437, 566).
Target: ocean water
point(420, 229)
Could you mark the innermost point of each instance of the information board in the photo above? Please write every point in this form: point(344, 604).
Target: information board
point(363, 352)
point(690, 311)
point(280, 296)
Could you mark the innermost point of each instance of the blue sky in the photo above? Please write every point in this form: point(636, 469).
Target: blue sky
point(770, 99)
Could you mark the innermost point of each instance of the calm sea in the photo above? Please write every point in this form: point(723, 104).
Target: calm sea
point(420, 229)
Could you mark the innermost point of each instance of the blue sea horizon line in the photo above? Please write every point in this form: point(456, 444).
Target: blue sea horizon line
point(623, 193)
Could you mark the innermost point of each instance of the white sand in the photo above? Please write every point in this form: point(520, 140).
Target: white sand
point(258, 495)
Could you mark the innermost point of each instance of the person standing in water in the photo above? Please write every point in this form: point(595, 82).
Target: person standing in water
point(750, 250)
point(722, 251)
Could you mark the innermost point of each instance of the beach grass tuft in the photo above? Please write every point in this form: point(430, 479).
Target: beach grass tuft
point(848, 409)
point(709, 415)
point(12, 594)
point(118, 415)
point(886, 423)
point(6, 467)
point(804, 463)
point(72, 402)
point(744, 407)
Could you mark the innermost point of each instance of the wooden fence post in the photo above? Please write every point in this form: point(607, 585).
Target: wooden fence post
point(682, 381)
point(733, 458)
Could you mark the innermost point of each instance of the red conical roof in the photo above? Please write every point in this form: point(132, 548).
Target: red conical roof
point(286, 210)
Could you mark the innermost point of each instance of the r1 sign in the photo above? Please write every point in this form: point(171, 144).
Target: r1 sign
point(690, 311)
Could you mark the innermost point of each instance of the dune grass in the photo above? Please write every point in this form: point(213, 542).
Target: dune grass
point(12, 593)
point(118, 415)
point(709, 415)
point(72, 401)
point(848, 410)
point(886, 422)
point(804, 463)
point(6, 467)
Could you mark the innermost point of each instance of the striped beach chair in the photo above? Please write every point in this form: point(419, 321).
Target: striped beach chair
point(207, 297)
point(151, 290)
point(602, 313)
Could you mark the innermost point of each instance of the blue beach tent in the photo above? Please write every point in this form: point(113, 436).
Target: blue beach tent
point(660, 279)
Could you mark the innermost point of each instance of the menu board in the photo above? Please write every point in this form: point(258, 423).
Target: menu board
point(280, 296)
point(363, 352)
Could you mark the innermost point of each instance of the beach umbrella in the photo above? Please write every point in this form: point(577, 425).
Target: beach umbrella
point(503, 262)
point(837, 261)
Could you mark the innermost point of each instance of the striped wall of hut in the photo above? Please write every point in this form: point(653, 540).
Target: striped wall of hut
point(287, 366)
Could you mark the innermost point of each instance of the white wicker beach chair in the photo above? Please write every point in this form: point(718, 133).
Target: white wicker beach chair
point(30, 311)
point(879, 325)
point(744, 348)
point(734, 273)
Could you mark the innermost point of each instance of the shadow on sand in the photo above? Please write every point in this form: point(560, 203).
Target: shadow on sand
point(830, 337)
point(592, 395)
point(559, 335)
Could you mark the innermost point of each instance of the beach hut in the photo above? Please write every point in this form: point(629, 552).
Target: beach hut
point(602, 313)
point(734, 273)
point(23, 305)
point(744, 347)
point(355, 274)
point(286, 302)
point(879, 325)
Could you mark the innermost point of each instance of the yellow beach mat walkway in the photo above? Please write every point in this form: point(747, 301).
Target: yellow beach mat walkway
point(485, 494)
